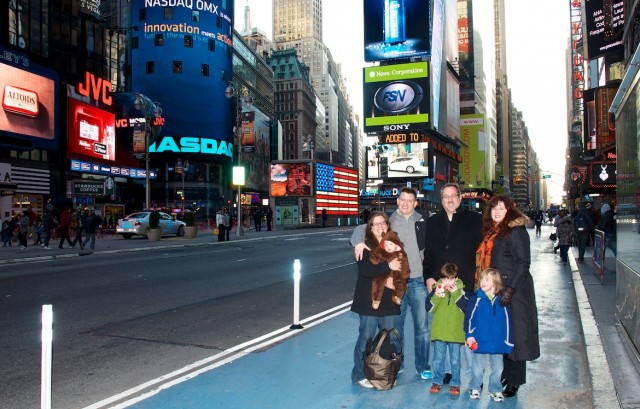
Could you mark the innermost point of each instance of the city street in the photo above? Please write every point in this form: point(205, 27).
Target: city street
point(122, 318)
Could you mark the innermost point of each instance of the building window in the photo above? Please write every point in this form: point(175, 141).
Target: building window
point(188, 41)
point(195, 16)
point(176, 67)
point(159, 40)
point(212, 45)
point(205, 70)
point(168, 13)
point(150, 67)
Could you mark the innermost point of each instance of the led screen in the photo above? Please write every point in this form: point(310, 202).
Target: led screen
point(291, 179)
point(91, 131)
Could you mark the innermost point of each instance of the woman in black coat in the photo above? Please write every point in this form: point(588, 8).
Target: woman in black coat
point(371, 320)
point(506, 248)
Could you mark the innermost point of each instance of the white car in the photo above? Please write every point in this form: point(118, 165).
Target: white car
point(407, 164)
point(136, 224)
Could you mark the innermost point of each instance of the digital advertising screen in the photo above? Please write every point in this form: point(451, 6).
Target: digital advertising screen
point(91, 131)
point(336, 189)
point(401, 160)
point(291, 179)
point(396, 29)
point(605, 26)
point(602, 174)
point(28, 118)
point(396, 97)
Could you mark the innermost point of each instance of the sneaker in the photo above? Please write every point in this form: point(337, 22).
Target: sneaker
point(474, 394)
point(47, 248)
point(426, 374)
point(498, 397)
point(435, 388)
point(454, 391)
point(364, 383)
point(23, 248)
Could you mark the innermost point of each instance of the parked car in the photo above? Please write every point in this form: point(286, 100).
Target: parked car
point(407, 164)
point(136, 224)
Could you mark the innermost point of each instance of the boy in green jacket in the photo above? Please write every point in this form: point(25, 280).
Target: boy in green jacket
point(448, 302)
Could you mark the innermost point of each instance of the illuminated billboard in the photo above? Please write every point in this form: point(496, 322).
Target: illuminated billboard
point(336, 189)
point(91, 131)
point(399, 160)
point(473, 169)
point(602, 175)
point(256, 150)
point(28, 118)
point(291, 179)
point(396, 97)
point(605, 25)
point(183, 60)
point(396, 29)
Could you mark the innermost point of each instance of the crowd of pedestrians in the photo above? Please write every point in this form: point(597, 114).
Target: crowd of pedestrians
point(463, 266)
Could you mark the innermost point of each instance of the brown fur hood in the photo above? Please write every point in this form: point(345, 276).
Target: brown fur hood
point(520, 221)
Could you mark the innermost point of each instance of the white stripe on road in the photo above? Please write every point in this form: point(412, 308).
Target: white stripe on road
point(215, 361)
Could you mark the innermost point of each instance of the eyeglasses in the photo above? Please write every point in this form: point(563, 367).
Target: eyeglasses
point(381, 224)
point(445, 197)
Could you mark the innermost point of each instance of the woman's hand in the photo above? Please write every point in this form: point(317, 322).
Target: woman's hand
point(389, 283)
point(358, 250)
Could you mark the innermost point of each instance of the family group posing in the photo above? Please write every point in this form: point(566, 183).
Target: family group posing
point(469, 291)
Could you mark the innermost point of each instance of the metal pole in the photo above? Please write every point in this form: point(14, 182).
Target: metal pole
point(47, 340)
point(147, 188)
point(240, 228)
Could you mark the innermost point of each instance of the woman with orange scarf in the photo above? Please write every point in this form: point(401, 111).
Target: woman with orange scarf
point(506, 248)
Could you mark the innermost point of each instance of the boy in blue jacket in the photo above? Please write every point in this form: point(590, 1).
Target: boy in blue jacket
point(489, 333)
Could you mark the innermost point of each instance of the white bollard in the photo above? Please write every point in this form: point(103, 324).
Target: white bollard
point(47, 340)
point(296, 295)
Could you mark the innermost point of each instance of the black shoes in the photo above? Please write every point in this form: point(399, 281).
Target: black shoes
point(510, 391)
point(447, 378)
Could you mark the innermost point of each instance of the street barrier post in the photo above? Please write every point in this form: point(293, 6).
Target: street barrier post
point(296, 295)
point(47, 339)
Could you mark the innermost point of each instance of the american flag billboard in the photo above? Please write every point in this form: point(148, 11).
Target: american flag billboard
point(336, 189)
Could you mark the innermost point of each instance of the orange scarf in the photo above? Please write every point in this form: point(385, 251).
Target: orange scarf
point(483, 255)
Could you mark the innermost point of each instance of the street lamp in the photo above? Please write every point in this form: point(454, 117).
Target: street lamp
point(181, 169)
point(140, 104)
point(242, 97)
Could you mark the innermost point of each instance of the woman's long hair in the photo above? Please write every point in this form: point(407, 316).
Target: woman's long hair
point(369, 238)
point(503, 227)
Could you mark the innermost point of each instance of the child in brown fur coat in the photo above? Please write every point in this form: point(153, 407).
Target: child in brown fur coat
point(390, 248)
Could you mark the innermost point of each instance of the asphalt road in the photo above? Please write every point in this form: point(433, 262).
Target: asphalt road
point(123, 319)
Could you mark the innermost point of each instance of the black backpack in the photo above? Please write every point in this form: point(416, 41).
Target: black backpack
point(581, 222)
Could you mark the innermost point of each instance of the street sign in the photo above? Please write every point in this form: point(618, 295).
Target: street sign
point(546, 176)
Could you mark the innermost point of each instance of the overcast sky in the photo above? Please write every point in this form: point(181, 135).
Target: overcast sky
point(537, 39)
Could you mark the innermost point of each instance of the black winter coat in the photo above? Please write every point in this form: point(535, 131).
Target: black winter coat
point(511, 256)
point(362, 294)
point(459, 246)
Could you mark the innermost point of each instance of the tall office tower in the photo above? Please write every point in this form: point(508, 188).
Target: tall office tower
point(298, 24)
point(503, 166)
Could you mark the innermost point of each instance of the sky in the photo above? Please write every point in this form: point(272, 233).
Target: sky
point(537, 40)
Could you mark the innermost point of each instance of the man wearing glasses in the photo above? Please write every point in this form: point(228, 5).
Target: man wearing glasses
point(410, 226)
point(452, 236)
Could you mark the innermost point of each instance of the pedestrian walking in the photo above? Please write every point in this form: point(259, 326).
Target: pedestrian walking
point(488, 331)
point(37, 228)
point(220, 225)
point(538, 218)
point(410, 225)
point(452, 235)
point(448, 303)
point(48, 224)
point(78, 220)
point(91, 224)
point(324, 218)
point(506, 248)
point(582, 227)
point(269, 218)
point(556, 222)
point(227, 222)
point(23, 233)
point(257, 219)
point(7, 233)
point(565, 237)
point(607, 224)
point(65, 222)
point(371, 320)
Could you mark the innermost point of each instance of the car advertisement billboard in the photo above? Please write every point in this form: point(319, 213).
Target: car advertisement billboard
point(605, 25)
point(91, 131)
point(399, 160)
point(28, 118)
point(291, 179)
point(186, 45)
point(396, 97)
point(396, 29)
point(336, 189)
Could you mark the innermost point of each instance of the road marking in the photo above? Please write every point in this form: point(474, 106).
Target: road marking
point(153, 387)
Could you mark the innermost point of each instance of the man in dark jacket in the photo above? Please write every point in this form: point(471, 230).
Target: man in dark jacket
point(91, 224)
point(453, 235)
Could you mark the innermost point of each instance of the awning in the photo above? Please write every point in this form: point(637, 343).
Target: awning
point(8, 189)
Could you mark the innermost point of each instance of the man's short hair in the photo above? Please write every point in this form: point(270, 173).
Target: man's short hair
point(409, 190)
point(455, 185)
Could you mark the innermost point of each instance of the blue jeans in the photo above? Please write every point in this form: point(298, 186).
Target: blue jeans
point(415, 299)
point(440, 349)
point(564, 252)
point(479, 365)
point(611, 243)
point(369, 327)
point(90, 237)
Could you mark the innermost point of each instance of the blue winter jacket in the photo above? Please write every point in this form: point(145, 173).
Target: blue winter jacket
point(489, 323)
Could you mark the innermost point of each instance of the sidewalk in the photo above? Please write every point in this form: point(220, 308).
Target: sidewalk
point(311, 368)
